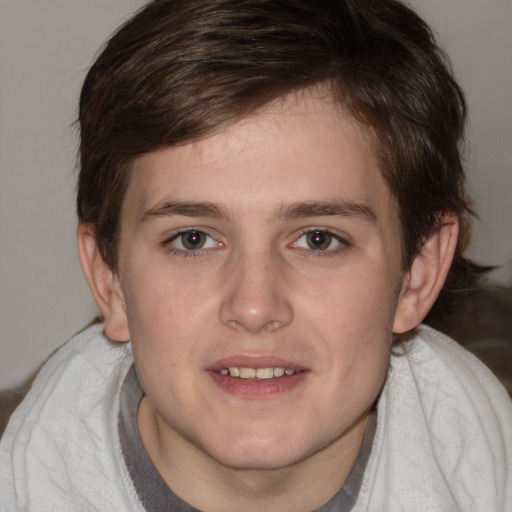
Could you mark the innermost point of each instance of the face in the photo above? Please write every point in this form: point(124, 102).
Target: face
point(260, 271)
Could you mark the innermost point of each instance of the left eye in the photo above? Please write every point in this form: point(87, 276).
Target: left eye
point(193, 240)
point(318, 240)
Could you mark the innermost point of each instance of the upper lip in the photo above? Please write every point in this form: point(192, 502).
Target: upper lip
point(255, 361)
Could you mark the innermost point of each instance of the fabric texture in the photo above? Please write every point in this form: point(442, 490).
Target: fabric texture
point(443, 440)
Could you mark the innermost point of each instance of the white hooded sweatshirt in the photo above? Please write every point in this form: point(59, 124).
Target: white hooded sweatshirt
point(443, 440)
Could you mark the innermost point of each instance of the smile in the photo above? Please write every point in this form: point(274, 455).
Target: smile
point(256, 378)
point(256, 373)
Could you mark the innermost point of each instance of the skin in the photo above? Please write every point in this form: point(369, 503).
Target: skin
point(297, 258)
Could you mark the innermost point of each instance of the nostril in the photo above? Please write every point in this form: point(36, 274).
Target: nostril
point(255, 301)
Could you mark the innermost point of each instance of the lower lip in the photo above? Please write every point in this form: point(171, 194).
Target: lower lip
point(257, 388)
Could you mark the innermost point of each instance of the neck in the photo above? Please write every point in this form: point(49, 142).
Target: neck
point(212, 486)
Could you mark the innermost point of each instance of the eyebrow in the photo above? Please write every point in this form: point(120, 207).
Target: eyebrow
point(185, 209)
point(292, 211)
point(339, 208)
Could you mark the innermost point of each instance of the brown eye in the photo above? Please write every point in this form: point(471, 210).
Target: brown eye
point(319, 240)
point(190, 242)
point(193, 240)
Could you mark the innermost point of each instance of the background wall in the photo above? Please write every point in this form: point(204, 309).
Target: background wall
point(45, 50)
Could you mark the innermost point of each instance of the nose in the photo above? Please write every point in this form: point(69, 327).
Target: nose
point(255, 298)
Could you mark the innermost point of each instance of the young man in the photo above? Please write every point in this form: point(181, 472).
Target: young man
point(270, 201)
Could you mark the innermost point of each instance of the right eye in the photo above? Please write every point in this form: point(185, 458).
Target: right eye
point(192, 240)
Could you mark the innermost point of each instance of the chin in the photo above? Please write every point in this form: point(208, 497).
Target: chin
point(262, 451)
point(257, 460)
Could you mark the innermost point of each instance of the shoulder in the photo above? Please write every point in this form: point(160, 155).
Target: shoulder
point(73, 376)
point(442, 368)
point(456, 394)
point(66, 425)
point(444, 432)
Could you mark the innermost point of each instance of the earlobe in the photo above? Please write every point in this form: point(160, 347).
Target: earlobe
point(104, 285)
point(425, 278)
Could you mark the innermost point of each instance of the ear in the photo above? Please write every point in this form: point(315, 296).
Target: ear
point(424, 280)
point(104, 285)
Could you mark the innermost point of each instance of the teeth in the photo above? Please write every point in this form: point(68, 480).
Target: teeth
point(234, 372)
point(256, 373)
point(278, 372)
point(247, 373)
point(264, 373)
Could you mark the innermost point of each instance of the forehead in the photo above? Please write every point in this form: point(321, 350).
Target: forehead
point(301, 147)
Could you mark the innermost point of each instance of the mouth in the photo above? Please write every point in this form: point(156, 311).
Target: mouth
point(269, 372)
point(257, 378)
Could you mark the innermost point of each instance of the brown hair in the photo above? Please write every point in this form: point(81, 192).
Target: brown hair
point(181, 69)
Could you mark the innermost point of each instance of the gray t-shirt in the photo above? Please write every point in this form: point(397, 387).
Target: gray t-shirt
point(154, 493)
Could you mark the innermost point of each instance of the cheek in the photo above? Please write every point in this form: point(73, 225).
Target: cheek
point(162, 342)
point(160, 300)
point(353, 318)
point(167, 318)
point(354, 302)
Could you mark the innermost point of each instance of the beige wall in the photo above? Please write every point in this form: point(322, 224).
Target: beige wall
point(45, 49)
point(477, 35)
